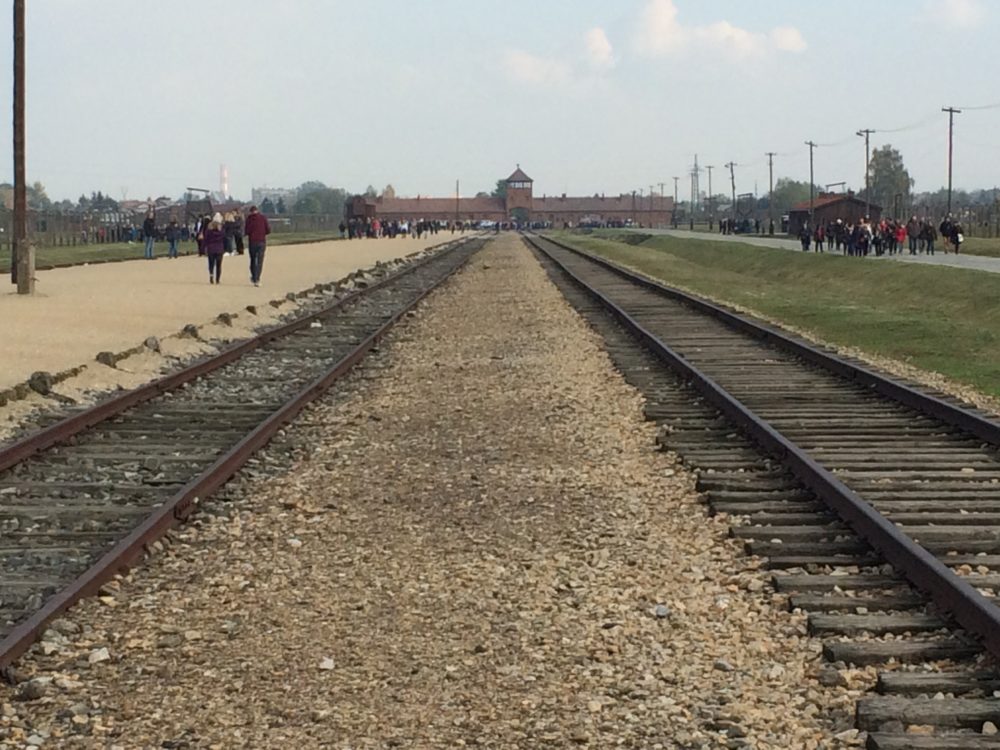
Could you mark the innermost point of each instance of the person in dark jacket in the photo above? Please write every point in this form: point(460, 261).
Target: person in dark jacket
point(215, 248)
point(238, 231)
point(173, 237)
point(149, 234)
point(256, 231)
point(957, 236)
point(199, 233)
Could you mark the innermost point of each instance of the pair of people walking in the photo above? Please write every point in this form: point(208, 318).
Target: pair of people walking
point(213, 244)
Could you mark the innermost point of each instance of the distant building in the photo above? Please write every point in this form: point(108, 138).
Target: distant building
point(828, 207)
point(519, 204)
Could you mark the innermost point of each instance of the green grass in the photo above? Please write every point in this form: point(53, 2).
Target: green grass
point(988, 246)
point(936, 318)
point(76, 254)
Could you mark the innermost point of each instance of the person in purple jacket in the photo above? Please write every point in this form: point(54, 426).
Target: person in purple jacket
point(215, 248)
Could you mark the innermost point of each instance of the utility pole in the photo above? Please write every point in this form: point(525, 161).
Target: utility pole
point(22, 253)
point(812, 186)
point(675, 190)
point(695, 186)
point(868, 190)
point(732, 180)
point(951, 132)
point(456, 202)
point(770, 186)
point(711, 205)
point(651, 204)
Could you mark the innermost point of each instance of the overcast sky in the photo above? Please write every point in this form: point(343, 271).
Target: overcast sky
point(146, 97)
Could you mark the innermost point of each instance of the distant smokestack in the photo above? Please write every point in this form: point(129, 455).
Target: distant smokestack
point(224, 180)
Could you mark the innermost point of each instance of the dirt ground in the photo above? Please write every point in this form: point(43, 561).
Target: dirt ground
point(80, 311)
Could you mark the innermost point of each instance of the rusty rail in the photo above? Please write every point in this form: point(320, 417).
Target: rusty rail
point(184, 502)
point(967, 606)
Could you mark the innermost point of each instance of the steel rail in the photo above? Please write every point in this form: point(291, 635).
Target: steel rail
point(177, 508)
point(983, 428)
point(967, 606)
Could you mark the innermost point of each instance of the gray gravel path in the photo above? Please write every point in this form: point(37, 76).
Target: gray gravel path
point(482, 549)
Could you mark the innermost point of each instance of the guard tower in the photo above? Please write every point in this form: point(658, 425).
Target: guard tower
point(519, 196)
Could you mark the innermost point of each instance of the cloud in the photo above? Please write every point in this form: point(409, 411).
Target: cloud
point(958, 14)
point(580, 69)
point(528, 68)
point(787, 39)
point(599, 50)
point(661, 33)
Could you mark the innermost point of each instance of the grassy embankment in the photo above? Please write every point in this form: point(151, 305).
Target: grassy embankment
point(75, 254)
point(936, 318)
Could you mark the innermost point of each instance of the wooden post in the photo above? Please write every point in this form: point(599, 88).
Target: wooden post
point(23, 254)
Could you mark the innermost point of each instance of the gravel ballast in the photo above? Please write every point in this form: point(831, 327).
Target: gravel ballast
point(482, 549)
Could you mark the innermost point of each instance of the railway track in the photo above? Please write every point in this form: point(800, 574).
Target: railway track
point(81, 498)
point(876, 505)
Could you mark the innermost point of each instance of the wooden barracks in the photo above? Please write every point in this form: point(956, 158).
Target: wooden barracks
point(521, 205)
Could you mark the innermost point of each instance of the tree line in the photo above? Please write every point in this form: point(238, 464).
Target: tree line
point(311, 197)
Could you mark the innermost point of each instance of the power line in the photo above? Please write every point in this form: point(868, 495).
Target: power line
point(919, 124)
point(835, 144)
point(984, 106)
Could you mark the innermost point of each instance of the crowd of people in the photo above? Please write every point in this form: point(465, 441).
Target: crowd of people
point(217, 236)
point(223, 234)
point(361, 227)
point(886, 237)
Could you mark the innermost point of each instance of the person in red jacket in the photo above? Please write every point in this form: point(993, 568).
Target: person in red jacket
point(256, 231)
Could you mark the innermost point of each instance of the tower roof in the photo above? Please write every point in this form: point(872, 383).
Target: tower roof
point(519, 176)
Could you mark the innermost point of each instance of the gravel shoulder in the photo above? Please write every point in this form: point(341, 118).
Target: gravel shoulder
point(481, 547)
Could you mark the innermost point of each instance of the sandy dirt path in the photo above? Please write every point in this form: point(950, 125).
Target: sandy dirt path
point(80, 311)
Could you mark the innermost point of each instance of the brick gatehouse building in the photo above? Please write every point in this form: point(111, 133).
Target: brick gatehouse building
point(519, 204)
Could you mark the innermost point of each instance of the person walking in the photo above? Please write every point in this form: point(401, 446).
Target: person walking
point(238, 231)
point(149, 234)
point(256, 230)
point(957, 236)
point(229, 230)
point(173, 237)
point(913, 232)
point(805, 237)
point(215, 247)
point(930, 237)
